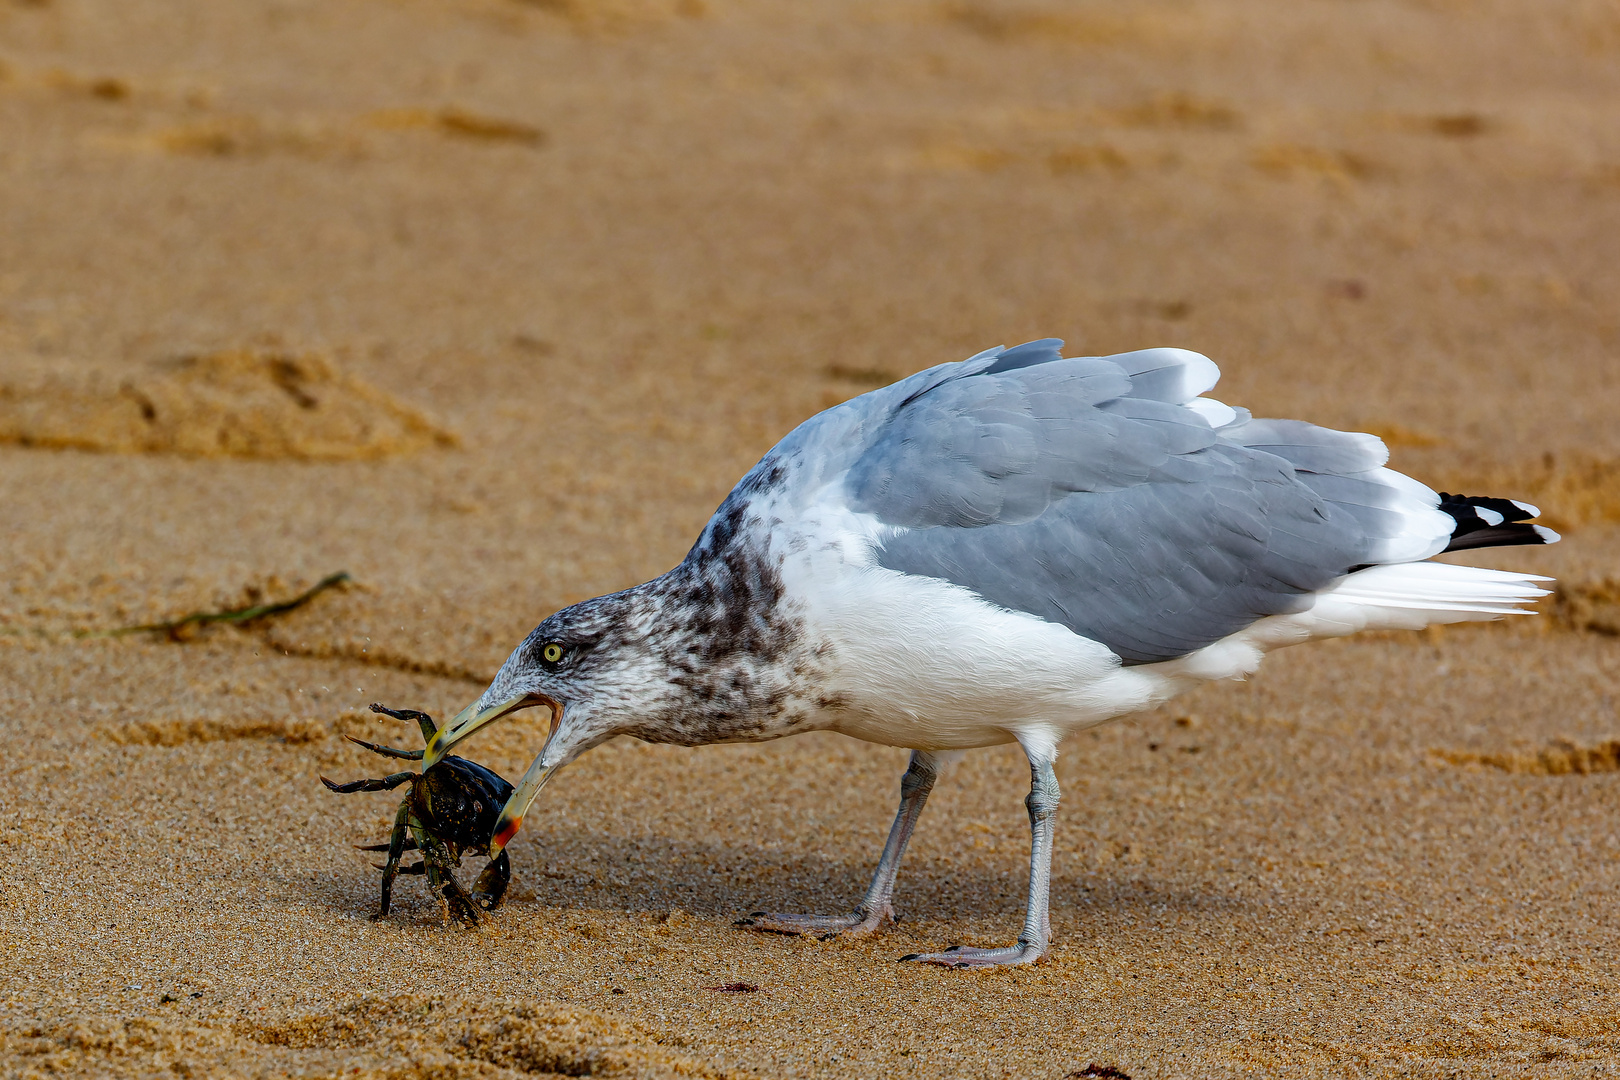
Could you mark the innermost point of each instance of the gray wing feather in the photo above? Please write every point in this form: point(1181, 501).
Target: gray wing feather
point(998, 448)
point(1173, 375)
point(1399, 519)
point(1083, 492)
point(1310, 448)
point(1028, 354)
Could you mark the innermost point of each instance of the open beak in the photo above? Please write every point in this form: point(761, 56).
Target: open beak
point(472, 718)
point(518, 804)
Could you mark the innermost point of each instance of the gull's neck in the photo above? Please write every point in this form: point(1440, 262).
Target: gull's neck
point(725, 639)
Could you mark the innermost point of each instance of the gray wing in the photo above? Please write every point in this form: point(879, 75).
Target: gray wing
point(1087, 492)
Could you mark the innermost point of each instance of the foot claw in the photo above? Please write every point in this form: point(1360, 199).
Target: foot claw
point(965, 956)
point(821, 927)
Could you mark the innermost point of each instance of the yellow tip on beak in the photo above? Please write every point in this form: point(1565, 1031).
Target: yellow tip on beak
point(471, 718)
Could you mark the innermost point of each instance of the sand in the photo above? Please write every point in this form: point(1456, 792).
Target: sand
point(488, 303)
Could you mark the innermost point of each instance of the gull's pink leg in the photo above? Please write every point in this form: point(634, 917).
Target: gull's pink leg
point(1037, 932)
point(877, 907)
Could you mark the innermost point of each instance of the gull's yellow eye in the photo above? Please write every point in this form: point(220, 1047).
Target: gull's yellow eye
point(551, 652)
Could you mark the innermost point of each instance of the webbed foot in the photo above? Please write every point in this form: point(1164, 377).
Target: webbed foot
point(966, 956)
point(825, 927)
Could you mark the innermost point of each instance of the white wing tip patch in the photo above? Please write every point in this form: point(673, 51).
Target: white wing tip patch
point(1198, 372)
point(1375, 448)
point(1217, 414)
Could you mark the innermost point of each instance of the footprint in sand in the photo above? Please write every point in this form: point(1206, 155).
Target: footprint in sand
point(250, 403)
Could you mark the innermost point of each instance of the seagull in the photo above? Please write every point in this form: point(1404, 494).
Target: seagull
point(1010, 548)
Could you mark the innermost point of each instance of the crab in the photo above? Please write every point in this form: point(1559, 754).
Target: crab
point(450, 810)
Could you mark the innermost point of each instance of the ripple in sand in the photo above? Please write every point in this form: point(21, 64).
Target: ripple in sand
point(1177, 110)
point(399, 1037)
point(619, 14)
point(1062, 24)
point(179, 732)
point(1286, 160)
point(240, 403)
point(1592, 606)
point(1564, 757)
point(460, 123)
point(251, 137)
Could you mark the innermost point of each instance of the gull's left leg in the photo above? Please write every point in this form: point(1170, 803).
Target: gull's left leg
point(877, 907)
point(1037, 932)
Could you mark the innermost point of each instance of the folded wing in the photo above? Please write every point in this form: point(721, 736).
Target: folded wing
point(1106, 495)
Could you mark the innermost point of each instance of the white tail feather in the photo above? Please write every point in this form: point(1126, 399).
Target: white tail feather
point(1440, 587)
point(1406, 596)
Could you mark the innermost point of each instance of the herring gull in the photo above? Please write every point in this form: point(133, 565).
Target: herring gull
point(1011, 548)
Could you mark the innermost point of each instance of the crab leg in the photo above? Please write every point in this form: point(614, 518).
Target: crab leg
point(462, 905)
point(386, 751)
point(387, 783)
point(423, 720)
point(396, 847)
point(440, 869)
point(410, 845)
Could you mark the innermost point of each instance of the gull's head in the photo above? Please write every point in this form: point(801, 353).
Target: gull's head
point(593, 665)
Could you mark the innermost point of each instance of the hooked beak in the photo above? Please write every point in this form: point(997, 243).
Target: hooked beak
point(471, 718)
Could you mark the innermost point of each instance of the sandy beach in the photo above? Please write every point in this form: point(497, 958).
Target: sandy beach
point(488, 303)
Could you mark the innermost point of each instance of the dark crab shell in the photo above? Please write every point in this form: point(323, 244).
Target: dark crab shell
point(459, 802)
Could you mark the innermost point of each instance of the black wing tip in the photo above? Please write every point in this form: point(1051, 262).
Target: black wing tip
point(1487, 521)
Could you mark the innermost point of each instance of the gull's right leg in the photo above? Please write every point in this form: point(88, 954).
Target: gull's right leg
point(876, 908)
point(1037, 933)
